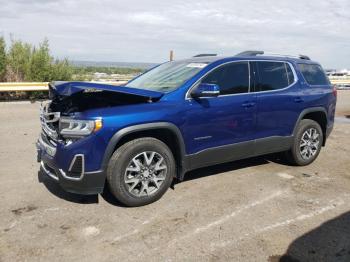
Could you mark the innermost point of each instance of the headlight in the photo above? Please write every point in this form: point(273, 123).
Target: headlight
point(78, 128)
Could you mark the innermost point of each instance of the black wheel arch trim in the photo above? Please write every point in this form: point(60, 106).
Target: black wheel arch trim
point(307, 111)
point(312, 110)
point(146, 127)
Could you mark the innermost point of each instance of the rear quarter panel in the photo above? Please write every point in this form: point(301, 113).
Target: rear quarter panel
point(319, 96)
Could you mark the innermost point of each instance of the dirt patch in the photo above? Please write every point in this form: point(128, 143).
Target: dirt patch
point(21, 210)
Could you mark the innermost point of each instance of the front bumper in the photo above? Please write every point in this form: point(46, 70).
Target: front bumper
point(75, 167)
point(74, 179)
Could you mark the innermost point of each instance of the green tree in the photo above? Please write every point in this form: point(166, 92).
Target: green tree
point(2, 59)
point(40, 63)
point(25, 62)
point(18, 61)
point(61, 70)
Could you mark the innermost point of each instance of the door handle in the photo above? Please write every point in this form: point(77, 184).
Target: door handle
point(248, 104)
point(298, 100)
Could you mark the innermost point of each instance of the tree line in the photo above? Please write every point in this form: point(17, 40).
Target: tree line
point(25, 62)
point(106, 69)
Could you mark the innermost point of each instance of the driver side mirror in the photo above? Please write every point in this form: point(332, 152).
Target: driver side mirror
point(206, 90)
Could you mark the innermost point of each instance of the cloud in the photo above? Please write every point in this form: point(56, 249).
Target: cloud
point(147, 18)
point(137, 30)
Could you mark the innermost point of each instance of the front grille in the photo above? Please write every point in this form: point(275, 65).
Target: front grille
point(49, 121)
point(47, 139)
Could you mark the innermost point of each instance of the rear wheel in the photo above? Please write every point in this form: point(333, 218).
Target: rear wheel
point(140, 171)
point(307, 143)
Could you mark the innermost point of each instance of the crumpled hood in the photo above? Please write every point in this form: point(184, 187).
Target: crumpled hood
point(70, 88)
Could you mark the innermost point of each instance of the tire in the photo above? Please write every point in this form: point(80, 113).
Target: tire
point(140, 171)
point(299, 154)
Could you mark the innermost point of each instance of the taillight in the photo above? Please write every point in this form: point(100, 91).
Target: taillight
point(335, 91)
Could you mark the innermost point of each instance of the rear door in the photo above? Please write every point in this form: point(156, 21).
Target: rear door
point(279, 98)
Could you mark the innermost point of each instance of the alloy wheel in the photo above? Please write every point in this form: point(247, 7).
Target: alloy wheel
point(145, 174)
point(309, 143)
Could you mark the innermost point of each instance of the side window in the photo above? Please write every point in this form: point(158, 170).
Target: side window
point(313, 74)
point(274, 75)
point(232, 78)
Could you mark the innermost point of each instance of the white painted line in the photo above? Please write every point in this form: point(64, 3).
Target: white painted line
point(134, 232)
point(236, 212)
point(145, 222)
point(228, 217)
point(332, 205)
point(13, 224)
point(51, 209)
point(285, 175)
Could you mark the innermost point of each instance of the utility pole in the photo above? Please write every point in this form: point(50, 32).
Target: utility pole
point(171, 55)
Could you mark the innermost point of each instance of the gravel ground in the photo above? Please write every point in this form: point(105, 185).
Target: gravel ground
point(253, 210)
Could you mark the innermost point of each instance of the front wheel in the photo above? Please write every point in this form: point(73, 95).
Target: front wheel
point(307, 143)
point(140, 171)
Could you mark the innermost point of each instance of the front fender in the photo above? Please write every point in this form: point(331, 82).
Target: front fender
point(144, 127)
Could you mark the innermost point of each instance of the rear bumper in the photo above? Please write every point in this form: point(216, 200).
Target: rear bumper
point(329, 130)
point(86, 183)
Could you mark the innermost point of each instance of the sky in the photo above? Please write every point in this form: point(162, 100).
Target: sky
point(146, 30)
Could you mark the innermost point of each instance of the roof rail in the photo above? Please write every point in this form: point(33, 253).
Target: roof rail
point(255, 53)
point(202, 55)
point(250, 53)
point(304, 57)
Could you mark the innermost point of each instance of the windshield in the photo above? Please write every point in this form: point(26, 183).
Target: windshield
point(167, 77)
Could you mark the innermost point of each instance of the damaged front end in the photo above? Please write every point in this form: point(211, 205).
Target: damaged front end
point(68, 98)
point(63, 154)
point(70, 146)
point(63, 128)
point(49, 121)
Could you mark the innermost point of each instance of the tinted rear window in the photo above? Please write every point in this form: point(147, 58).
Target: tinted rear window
point(274, 75)
point(314, 74)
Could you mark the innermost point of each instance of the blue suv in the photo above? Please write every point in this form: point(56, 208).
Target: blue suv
point(182, 115)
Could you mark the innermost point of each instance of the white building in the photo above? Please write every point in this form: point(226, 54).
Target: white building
point(99, 75)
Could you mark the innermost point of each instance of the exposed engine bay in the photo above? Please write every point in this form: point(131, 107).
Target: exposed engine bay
point(83, 101)
point(70, 97)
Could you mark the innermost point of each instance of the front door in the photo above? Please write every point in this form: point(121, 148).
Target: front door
point(217, 122)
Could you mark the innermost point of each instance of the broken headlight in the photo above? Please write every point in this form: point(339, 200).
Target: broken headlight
point(73, 128)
